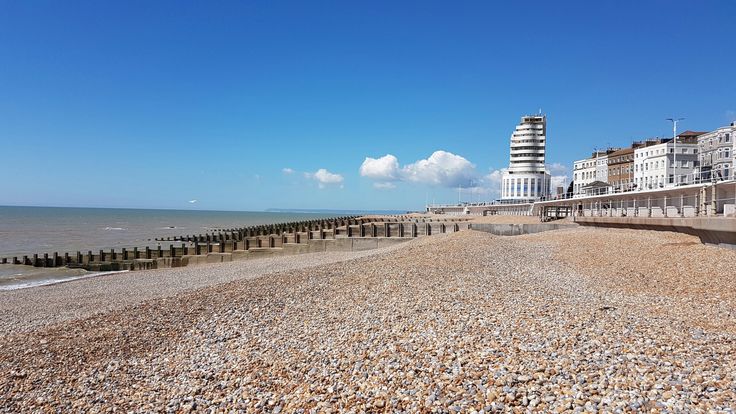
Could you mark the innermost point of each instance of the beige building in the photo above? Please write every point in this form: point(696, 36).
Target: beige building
point(621, 169)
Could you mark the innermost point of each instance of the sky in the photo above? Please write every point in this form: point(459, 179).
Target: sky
point(338, 105)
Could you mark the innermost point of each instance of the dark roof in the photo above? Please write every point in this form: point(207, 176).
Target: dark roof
point(623, 151)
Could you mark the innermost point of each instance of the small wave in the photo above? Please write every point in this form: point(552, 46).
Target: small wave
point(54, 281)
point(114, 228)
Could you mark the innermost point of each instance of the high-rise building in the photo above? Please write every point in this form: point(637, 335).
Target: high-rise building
point(526, 179)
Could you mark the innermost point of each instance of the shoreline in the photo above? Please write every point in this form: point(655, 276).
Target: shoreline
point(52, 279)
point(107, 291)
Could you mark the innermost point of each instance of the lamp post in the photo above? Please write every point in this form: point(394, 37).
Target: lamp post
point(674, 146)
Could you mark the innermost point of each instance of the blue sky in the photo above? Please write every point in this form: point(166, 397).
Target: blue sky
point(251, 105)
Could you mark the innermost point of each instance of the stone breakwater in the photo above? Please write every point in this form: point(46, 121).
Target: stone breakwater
point(572, 320)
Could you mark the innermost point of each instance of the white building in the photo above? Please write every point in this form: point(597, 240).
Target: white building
point(717, 152)
point(653, 163)
point(526, 179)
point(601, 167)
point(589, 170)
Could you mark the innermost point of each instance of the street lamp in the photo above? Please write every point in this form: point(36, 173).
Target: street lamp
point(674, 146)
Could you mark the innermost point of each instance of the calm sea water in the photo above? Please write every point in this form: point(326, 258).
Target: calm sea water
point(28, 230)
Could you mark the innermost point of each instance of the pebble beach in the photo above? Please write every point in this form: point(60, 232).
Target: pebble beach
point(574, 320)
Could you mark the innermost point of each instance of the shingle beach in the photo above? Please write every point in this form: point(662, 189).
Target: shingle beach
point(586, 320)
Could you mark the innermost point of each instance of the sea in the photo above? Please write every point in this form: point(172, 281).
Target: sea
point(29, 230)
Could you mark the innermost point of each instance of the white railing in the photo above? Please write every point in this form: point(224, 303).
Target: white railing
point(707, 177)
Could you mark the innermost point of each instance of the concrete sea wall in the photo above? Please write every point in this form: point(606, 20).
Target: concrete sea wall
point(518, 229)
point(718, 231)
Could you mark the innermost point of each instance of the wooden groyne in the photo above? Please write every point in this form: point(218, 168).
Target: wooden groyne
point(265, 238)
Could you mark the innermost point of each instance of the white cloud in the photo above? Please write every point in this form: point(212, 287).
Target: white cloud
point(192, 201)
point(442, 169)
point(556, 168)
point(494, 178)
point(487, 185)
point(384, 186)
point(385, 168)
point(325, 178)
point(558, 181)
point(287, 170)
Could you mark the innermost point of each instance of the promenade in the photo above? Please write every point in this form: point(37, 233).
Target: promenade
point(462, 322)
